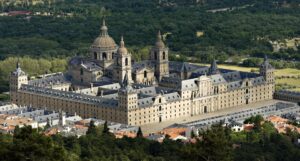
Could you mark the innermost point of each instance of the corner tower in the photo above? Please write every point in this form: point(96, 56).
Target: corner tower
point(267, 71)
point(104, 48)
point(122, 64)
point(159, 56)
point(17, 78)
point(127, 98)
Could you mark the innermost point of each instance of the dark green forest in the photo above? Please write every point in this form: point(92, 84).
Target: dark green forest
point(242, 31)
point(215, 144)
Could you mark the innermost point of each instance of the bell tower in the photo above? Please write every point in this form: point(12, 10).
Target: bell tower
point(159, 56)
point(122, 64)
point(127, 95)
point(17, 78)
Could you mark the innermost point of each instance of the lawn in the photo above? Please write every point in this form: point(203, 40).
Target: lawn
point(287, 71)
point(296, 89)
point(278, 72)
point(289, 81)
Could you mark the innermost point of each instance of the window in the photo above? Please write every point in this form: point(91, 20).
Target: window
point(164, 55)
point(95, 55)
point(160, 108)
point(155, 56)
point(145, 74)
point(205, 109)
point(104, 56)
point(81, 71)
point(126, 61)
point(247, 84)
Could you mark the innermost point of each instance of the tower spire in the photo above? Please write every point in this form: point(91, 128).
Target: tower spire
point(122, 43)
point(18, 64)
point(104, 28)
point(159, 36)
point(266, 57)
point(159, 43)
point(213, 67)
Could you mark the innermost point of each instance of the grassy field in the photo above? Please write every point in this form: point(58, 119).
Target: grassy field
point(296, 89)
point(289, 81)
point(285, 83)
point(278, 72)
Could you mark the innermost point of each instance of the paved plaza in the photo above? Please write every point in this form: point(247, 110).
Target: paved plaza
point(155, 127)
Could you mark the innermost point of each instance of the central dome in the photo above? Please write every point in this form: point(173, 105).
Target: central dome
point(104, 41)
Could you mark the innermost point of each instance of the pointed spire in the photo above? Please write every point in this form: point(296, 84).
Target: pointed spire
point(213, 67)
point(158, 36)
point(18, 64)
point(122, 43)
point(266, 64)
point(103, 22)
point(104, 28)
point(159, 43)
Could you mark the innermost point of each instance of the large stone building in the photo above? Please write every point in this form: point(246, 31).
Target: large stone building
point(108, 85)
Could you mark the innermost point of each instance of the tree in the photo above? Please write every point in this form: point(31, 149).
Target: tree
point(215, 144)
point(92, 128)
point(105, 128)
point(139, 133)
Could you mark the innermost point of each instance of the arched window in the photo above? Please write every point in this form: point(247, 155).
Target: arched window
point(95, 55)
point(145, 74)
point(247, 84)
point(247, 91)
point(104, 56)
point(164, 55)
point(126, 61)
point(81, 71)
point(113, 55)
point(159, 100)
point(205, 109)
point(160, 108)
point(155, 55)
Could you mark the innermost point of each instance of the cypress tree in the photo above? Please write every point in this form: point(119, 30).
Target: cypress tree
point(139, 133)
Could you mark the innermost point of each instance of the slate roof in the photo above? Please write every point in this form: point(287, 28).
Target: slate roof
point(76, 97)
point(141, 65)
point(182, 66)
point(59, 78)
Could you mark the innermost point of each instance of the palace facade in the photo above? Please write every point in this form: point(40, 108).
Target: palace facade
point(109, 85)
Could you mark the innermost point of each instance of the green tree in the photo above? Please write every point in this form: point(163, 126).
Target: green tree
point(139, 133)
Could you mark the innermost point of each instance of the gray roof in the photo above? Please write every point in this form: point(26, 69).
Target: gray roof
point(182, 66)
point(58, 78)
point(141, 65)
point(70, 96)
point(189, 84)
point(87, 64)
point(218, 79)
point(18, 71)
point(234, 85)
point(258, 80)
